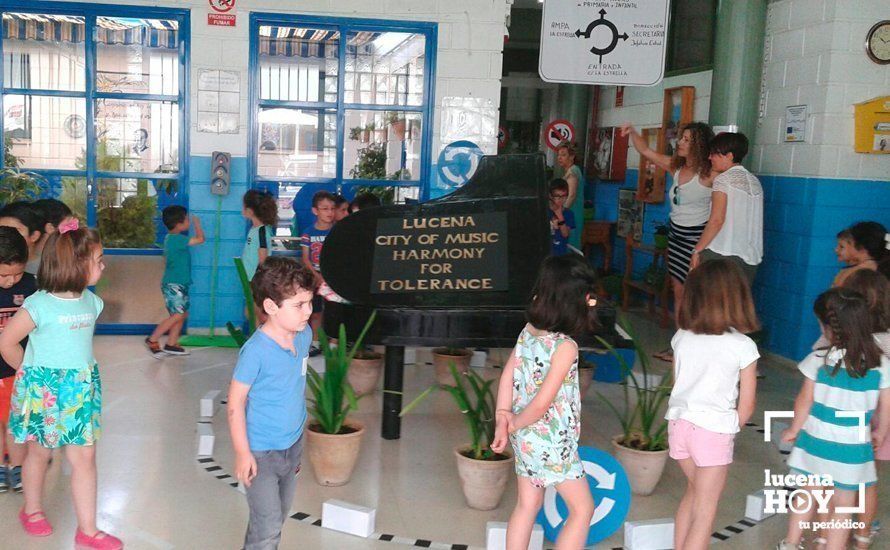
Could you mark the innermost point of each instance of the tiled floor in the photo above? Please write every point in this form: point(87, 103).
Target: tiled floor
point(154, 495)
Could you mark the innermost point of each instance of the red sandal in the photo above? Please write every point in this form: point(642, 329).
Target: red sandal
point(100, 541)
point(35, 524)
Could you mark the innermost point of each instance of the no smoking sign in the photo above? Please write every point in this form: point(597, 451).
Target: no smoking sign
point(222, 13)
point(557, 132)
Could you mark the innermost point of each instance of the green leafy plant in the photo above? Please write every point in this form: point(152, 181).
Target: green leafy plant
point(476, 407)
point(642, 423)
point(236, 333)
point(371, 163)
point(17, 184)
point(130, 225)
point(332, 396)
point(402, 174)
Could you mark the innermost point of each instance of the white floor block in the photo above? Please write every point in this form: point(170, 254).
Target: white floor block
point(776, 436)
point(206, 439)
point(496, 536)
point(754, 504)
point(348, 518)
point(652, 534)
point(478, 359)
point(208, 403)
point(410, 356)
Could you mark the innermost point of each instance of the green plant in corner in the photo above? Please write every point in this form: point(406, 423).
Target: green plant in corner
point(642, 423)
point(332, 396)
point(477, 408)
point(17, 184)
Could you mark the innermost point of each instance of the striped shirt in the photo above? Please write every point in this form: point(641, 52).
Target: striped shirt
point(834, 440)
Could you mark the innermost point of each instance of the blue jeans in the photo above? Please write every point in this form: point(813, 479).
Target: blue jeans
point(270, 495)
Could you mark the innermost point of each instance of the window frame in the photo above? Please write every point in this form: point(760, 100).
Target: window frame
point(344, 25)
point(669, 58)
point(90, 12)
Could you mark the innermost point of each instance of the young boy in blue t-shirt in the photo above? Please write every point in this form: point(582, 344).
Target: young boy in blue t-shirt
point(15, 286)
point(176, 281)
point(267, 406)
point(562, 219)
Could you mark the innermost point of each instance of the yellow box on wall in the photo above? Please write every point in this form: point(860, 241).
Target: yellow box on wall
point(872, 123)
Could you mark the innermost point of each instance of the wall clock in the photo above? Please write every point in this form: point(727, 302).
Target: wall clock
point(877, 42)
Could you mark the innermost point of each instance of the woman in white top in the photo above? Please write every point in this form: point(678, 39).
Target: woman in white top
point(689, 195)
point(735, 227)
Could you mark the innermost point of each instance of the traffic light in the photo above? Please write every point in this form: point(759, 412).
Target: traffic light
point(220, 176)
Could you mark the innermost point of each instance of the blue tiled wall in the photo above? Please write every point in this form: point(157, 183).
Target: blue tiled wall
point(229, 301)
point(801, 218)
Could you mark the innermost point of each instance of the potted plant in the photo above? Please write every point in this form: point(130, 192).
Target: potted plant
point(364, 371)
point(661, 236)
point(371, 162)
point(333, 442)
point(483, 473)
point(444, 357)
point(585, 375)
point(355, 133)
point(397, 123)
point(366, 132)
point(16, 184)
point(642, 447)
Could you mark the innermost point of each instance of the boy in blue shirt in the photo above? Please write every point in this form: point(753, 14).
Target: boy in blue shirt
point(15, 286)
point(176, 281)
point(267, 406)
point(562, 220)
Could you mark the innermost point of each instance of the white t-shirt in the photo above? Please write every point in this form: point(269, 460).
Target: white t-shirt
point(706, 378)
point(742, 231)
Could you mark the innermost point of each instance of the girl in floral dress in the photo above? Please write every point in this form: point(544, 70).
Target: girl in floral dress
point(539, 405)
point(57, 396)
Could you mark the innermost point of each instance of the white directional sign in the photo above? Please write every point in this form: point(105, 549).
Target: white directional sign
point(604, 41)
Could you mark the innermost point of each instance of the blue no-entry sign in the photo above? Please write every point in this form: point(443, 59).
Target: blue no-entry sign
point(457, 162)
point(611, 495)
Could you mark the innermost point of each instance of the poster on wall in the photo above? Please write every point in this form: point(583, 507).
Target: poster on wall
point(219, 101)
point(609, 151)
point(630, 215)
point(609, 42)
point(650, 182)
point(676, 111)
point(795, 123)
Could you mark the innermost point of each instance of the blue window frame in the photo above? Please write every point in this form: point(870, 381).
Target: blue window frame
point(339, 104)
point(94, 98)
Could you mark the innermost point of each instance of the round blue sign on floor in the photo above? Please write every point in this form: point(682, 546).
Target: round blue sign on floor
point(458, 162)
point(611, 495)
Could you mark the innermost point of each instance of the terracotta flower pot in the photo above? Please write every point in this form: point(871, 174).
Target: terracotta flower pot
point(398, 128)
point(483, 481)
point(364, 374)
point(644, 468)
point(333, 457)
point(442, 362)
point(585, 379)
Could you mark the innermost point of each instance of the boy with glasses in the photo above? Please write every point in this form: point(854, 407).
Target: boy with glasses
point(562, 220)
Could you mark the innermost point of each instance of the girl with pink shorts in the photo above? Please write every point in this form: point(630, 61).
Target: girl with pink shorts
point(708, 405)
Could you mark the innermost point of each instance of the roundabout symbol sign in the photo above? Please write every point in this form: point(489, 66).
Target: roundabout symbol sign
point(458, 162)
point(611, 495)
point(612, 28)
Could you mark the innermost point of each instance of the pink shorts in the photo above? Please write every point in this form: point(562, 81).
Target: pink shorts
point(706, 448)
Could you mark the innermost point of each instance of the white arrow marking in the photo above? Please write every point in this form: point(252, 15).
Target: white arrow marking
point(602, 510)
point(604, 479)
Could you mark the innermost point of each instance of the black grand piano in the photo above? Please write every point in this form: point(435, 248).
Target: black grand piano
point(455, 271)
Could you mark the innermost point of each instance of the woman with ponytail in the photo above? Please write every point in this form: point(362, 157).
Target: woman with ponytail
point(57, 396)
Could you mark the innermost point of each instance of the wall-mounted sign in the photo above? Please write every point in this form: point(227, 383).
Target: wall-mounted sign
point(458, 162)
point(222, 13)
point(441, 254)
point(606, 42)
point(219, 101)
point(795, 123)
point(503, 137)
point(557, 132)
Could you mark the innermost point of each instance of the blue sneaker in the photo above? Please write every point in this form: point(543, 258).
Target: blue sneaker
point(15, 478)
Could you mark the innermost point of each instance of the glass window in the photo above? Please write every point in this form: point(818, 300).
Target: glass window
point(337, 116)
point(691, 35)
point(384, 68)
point(44, 52)
point(120, 180)
point(45, 132)
point(137, 56)
point(297, 143)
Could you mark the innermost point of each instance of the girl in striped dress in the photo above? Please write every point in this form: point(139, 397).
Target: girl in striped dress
point(849, 376)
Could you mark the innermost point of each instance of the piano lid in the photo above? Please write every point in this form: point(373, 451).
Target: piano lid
point(478, 247)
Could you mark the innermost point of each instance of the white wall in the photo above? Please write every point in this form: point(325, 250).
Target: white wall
point(643, 106)
point(814, 55)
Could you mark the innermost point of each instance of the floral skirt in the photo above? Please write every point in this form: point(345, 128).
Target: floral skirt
point(56, 407)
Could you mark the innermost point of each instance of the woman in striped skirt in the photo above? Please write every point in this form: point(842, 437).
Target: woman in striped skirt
point(689, 196)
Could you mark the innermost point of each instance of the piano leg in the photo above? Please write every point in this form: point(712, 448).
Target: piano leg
point(393, 372)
